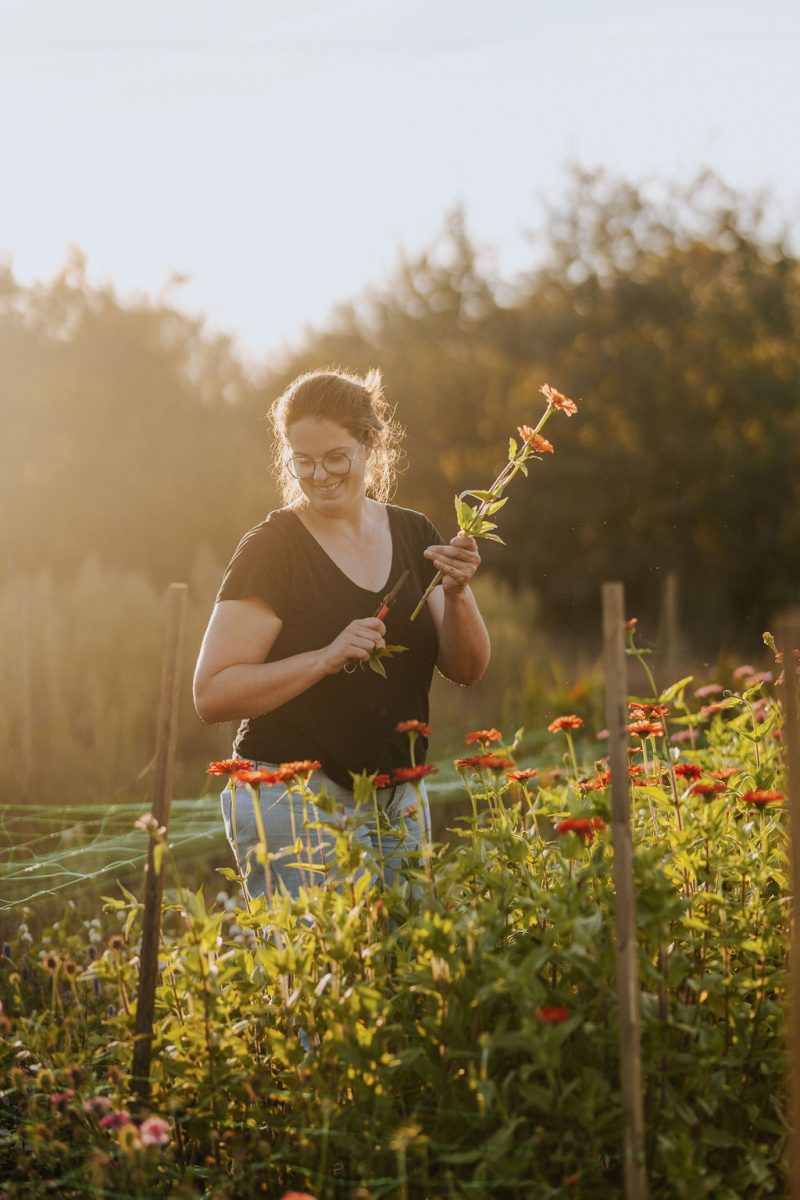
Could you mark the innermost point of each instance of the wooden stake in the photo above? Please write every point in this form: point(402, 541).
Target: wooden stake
point(624, 893)
point(25, 687)
point(154, 879)
point(788, 640)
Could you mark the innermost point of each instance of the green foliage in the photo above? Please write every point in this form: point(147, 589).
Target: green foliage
point(453, 1036)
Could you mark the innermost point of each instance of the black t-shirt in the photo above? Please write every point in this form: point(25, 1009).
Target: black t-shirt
point(346, 721)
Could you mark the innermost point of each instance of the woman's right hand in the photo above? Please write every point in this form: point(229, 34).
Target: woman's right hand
point(356, 641)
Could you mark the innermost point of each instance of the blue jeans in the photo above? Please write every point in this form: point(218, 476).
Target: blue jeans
point(285, 815)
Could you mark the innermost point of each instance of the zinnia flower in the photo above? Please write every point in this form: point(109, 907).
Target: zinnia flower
point(600, 781)
point(724, 773)
point(289, 771)
point(154, 1132)
point(115, 1120)
point(558, 400)
point(709, 689)
point(519, 775)
point(98, 1105)
point(688, 771)
point(708, 710)
point(744, 671)
point(255, 777)
point(645, 729)
point(225, 766)
point(413, 726)
point(707, 790)
point(535, 440)
point(128, 1138)
point(494, 762)
point(381, 781)
point(761, 797)
point(62, 1097)
point(583, 826)
point(116, 943)
point(553, 1014)
point(562, 724)
point(483, 735)
point(409, 774)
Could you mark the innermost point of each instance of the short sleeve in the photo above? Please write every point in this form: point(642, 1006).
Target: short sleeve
point(258, 568)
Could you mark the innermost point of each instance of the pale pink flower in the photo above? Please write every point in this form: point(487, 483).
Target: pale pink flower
point(709, 689)
point(154, 1132)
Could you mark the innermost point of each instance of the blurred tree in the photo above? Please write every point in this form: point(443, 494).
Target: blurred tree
point(672, 317)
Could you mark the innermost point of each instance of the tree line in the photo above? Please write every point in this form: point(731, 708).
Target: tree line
point(129, 432)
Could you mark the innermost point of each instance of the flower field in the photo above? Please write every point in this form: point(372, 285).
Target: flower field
point(453, 1037)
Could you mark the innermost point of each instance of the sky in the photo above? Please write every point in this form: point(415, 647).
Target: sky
point(281, 153)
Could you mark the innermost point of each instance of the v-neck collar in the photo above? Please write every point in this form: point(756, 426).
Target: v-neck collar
point(379, 591)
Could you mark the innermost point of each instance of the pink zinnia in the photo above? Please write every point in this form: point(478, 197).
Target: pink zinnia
point(154, 1132)
point(116, 1120)
point(709, 689)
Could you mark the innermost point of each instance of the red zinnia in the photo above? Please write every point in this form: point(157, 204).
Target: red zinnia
point(583, 826)
point(762, 796)
point(558, 400)
point(413, 726)
point(525, 773)
point(707, 790)
point(409, 774)
point(467, 764)
point(535, 440)
point(483, 735)
point(226, 766)
point(562, 724)
point(553, 1014)
point(62, 1097)
point(688, 771)
point(381, 781)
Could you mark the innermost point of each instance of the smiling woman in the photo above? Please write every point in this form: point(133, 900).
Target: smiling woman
point(296, 607)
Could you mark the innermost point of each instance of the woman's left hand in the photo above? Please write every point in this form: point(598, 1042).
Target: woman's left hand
point(457, 562)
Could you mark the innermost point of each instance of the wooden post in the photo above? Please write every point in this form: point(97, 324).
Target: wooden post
point(624, 893)
point(154, 879)
point(788, 640)
point(25, 688)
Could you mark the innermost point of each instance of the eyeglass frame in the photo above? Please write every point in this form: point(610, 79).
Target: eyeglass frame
point(346, 450)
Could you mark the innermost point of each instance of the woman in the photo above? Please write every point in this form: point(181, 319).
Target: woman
point(294, 617)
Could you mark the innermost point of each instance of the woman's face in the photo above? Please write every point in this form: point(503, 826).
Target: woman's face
point(314, 439)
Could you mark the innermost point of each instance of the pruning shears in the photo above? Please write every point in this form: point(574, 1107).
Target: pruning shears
point(380, 612)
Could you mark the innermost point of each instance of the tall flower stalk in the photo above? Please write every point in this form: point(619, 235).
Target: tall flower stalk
point(472, 518)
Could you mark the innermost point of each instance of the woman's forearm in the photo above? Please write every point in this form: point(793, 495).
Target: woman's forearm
point(253, 689)
point(464, 648)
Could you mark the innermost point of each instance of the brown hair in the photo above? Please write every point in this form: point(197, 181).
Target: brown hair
point(358, 405)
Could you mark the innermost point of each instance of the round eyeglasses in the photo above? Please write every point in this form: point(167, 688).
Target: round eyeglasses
point(335, 462)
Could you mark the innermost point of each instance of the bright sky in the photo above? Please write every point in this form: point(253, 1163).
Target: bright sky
point(280, 152)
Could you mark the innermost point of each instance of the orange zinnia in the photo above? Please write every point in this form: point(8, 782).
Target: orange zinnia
point(413, 726)
point(225, 766)
point(289, 771)
point(525, 773)
point(409, 774)
point(562, 724)
point(558, 400)
point(583, 826)
point(483, 735)
point(535, 440)
point(256, 778)
point(762, 796)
